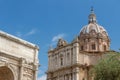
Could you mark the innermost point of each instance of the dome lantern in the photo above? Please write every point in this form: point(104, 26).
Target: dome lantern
point(92, 16)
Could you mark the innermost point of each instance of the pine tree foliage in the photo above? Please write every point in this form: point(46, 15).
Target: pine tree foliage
point(108, 68)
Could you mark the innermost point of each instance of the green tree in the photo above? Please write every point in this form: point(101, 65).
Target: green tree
point(108, 68)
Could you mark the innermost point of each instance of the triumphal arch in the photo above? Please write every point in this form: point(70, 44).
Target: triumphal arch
point(18, 58)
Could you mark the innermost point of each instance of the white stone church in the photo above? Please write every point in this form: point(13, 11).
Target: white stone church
point(72, 61)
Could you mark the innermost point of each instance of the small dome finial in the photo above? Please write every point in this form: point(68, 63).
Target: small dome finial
point(92, 9)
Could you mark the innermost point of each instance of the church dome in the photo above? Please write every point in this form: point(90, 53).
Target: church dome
point(93, 27)
point(94, 37)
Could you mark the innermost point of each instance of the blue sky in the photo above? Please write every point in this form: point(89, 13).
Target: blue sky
point(44, 21)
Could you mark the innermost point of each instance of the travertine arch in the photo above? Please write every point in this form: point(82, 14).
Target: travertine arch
point(6, 73)
point(20, 57)
point(11, 68)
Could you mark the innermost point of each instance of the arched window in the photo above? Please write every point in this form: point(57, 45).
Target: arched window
point(105, 48)
point(93, 47)
point(61, 61)
point(67, 76)
point(68, 56)
point(56, 61)
point(82, 48)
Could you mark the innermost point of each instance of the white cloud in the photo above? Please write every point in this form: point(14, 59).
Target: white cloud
point(43, 77)
point(31, 32)
point(55, 38)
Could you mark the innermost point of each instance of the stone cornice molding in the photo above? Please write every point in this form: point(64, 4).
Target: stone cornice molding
point(18, 40)
point(4, 54)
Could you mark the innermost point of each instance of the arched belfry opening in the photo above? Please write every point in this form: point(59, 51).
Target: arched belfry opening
point(6, 73)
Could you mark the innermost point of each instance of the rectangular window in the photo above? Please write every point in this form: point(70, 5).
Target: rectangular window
point(82, 47)
point(93, 47)
point(105, 48)
point(61, 62)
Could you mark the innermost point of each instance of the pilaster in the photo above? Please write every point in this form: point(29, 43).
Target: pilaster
point(35, 72)
point(21, 69)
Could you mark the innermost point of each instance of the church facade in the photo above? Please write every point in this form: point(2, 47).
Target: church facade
point(18, 58)
point(72, 61)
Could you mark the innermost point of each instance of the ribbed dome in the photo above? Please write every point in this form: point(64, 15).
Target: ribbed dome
point(93, 27)
point(93, 37)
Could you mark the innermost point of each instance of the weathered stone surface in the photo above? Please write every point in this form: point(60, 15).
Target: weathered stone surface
point(18, 58)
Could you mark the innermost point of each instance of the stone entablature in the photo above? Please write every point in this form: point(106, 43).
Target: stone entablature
point(18, 47)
